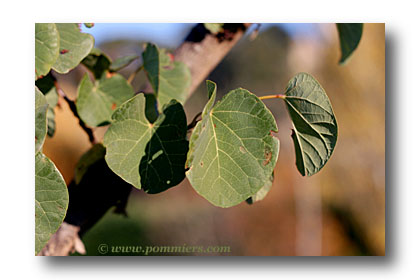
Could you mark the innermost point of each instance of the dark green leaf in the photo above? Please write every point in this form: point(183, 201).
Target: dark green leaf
point(46, 47)
point(148, 156)
point(93, 155)
point(97, 101)
point(350, 35)
point(122, 62)
point(232, 152)
point(74, 46)
point(97, 62)
point(41, 107)
point(169, 79)
point(89, 25)
point(51, 200)
point(315, 128)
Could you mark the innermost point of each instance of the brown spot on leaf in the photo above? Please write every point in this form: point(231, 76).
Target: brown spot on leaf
point(114, 105)
point(242, 149)
point(201, 164)
point(63, 51)
point(267, 155)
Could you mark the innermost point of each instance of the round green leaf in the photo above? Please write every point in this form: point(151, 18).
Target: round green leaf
point(74, 46)
point(51, 200)
point(148, 156)
point(46, 47)
point(315, 128)
point(97, 101)
point(232, 152)
point(41, 107)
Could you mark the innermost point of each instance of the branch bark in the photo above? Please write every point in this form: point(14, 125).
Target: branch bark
point(201, 52)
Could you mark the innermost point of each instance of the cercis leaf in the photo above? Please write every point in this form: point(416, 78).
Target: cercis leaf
point(74, 46)
point(47, 87)
point(232, 152)
point(315, 127)
point(97, 62)
point(350, 35)
point(41, 107)
point(214, 28)
point(169, 79)
point(262, 193)
point(51, 200)
point(46, 47)
point(148, 156)
point(97, 101)
point(122, 62)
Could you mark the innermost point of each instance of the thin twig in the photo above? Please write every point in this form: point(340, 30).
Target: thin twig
point(73, 108)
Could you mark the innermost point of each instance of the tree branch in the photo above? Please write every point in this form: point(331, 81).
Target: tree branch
point(201, 52)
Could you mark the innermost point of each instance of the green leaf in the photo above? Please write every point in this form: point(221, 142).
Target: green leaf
point(51, 200)
point(97, 62)
point(41, 107)
point(262, 193)
point(214, 28)
point(93, 155)
point(315, 128)
point(97, 101)
point(89, 25)
point(122, 62)
point(232, 152)
point(46, 86)
point(350, 35)
point(74, 46)
point(148, 156)
point(46, 47)
point(169, 79)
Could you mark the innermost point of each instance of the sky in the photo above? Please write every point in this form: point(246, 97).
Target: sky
point(172, 34)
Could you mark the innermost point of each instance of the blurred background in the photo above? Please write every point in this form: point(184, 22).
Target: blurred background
point(339, 211)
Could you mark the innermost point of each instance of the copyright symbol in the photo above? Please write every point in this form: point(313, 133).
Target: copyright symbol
point(103, 249)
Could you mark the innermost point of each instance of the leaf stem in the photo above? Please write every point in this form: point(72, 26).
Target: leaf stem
point(131, 77)
point(282, 96)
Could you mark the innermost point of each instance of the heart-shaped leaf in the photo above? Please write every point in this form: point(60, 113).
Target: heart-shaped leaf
point(232, 152)
point(46, 47)
point(41, 107)
point(148, 156)
point(169, 79)
point(97, 101)
point(122, 62)
point(74, 46)
point(350, 35)
point(51, 200)
point(315, 128)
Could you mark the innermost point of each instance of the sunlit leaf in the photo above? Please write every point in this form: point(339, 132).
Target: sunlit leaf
point(350, 35)
point(46, 47)
point(51, 200)
point(262, 193)
point(232, 152)
point(41, 107)
point(315, 128)
point(148, 156)
point(74, 46)
point(97, 101)
point(214, 28)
